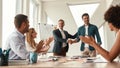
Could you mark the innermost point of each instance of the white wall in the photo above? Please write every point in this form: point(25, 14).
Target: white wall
point(0, 23)
point(108, 3)
point(60, 10)
point(98, 16)
point(116, 2)
point(109, 37)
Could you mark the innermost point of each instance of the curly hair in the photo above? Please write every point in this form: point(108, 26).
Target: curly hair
point(112, 15)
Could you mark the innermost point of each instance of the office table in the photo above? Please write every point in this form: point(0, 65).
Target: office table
point(63, 64)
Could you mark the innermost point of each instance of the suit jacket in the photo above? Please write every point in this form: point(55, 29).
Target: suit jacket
point(58, 40)
point(92, 31)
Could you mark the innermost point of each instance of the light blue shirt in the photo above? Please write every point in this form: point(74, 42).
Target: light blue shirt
point(16, 41)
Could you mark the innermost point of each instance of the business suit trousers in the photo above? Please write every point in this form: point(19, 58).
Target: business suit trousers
point(63, 53)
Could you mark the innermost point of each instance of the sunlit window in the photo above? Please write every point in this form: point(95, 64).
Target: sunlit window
point(8, 14)
point(78, 10)
point(32, 13)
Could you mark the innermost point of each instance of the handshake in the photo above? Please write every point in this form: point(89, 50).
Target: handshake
point(71, 41)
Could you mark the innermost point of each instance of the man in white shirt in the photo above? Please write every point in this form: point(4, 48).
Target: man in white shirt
point(87, 29)
point(16, 41)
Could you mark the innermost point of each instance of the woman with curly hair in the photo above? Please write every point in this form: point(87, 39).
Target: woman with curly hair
point(112, 16)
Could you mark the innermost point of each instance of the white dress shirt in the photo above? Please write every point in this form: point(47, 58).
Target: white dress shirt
point(63, 36)
point(86, 34)
point(16, 41)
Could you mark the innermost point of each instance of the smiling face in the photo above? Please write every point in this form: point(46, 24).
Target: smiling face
point(85, 19)
point(61, 24)
point(31, 34)
point(34, 34)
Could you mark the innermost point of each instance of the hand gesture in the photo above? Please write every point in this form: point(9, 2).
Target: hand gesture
point(39, 46)
point(88, 39)
point(69, 41)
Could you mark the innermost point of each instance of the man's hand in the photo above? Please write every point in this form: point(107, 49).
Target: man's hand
point(69, 41)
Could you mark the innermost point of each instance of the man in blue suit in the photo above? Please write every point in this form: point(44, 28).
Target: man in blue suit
point(87, 30)
point(60, 40)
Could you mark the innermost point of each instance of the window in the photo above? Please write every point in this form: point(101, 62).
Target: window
point(8, 18)
point(33, 16)
point(78, 10)
point(32, 13)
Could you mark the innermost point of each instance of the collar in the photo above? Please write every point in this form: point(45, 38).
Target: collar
point(87, 25)
point(61, 29)
point(20, 34)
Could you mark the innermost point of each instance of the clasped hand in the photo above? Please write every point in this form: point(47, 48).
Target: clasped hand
point(70, 41)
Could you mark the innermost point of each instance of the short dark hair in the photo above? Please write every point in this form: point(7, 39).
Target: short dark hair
point(19, 18)
point(85, 14)
point(112, 15)
point(61, 20)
